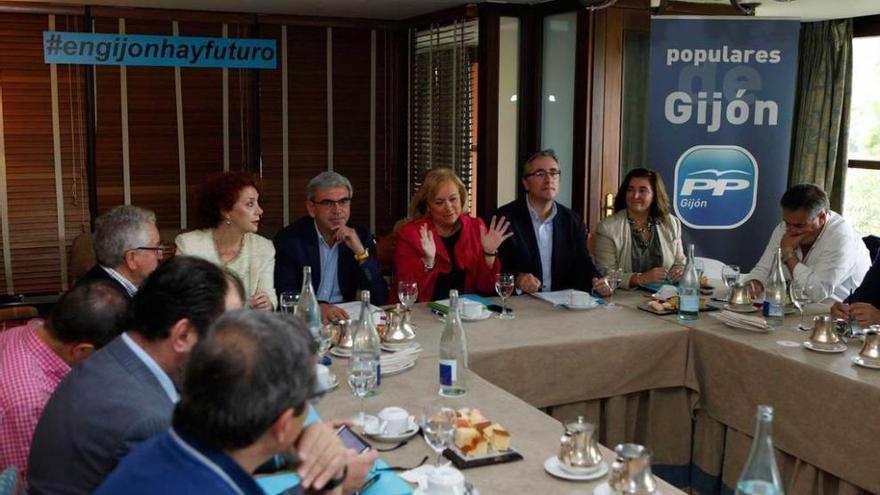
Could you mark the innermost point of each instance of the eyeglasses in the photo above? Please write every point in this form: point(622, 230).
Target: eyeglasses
point(159, 250)
point(553, 172)
point(329, 203)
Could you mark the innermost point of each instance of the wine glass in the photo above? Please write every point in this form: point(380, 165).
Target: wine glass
point(504, 284)
point(407, 293)
point(287, 302)
point(613, 277)
point(800, 297)
point(438, 427)
point(361, 379)
point(700, 267)
point(729, 275)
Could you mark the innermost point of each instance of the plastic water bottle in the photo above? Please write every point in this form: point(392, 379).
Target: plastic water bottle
point(307, 306)
point(774, 293)
point(761, 475)
point(689, 290)
point(453, 352)
point(365, 344)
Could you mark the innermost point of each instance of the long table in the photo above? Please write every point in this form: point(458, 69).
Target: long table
point(688, 390)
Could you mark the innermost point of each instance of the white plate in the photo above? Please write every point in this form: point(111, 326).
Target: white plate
point(809, 345)
point(552, 466)
point(740, 309)
point(397, 370)
point(400, 346)
point(340, 352)
point(605, 489)
point(860, 361)
point(581, 308)
point(372, 427)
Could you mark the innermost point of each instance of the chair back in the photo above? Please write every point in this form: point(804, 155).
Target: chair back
point(873, 243)
point(711, 267)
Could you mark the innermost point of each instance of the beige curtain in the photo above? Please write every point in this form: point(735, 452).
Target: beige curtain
point(822, 111)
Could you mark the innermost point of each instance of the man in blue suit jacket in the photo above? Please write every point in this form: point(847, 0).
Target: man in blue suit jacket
point(548, 250)
point(125, 393)
point(341, 256)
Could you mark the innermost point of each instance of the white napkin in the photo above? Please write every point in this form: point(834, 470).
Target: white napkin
point(401, 359)
point(418, 475)
point(738, 320)
point(665, 292)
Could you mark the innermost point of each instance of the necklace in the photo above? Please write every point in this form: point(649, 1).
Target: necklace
point(649, 224)
point(230, 254)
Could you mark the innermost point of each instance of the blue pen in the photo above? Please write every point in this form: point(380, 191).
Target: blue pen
point(367, 484)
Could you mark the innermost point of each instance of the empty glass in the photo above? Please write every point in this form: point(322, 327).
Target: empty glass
point(407, 293)
point(361, 379)
point(287, 302)
point(613, 277)
point(438, 427)
point(504, 285)
point(700, 267)
point(800, 297)
point(730, 276)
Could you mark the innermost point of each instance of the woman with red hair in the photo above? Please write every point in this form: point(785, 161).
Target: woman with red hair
point(229, 215)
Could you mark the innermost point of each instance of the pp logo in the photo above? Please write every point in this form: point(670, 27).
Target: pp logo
point(716, 187)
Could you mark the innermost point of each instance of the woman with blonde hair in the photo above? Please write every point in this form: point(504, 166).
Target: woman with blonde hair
point(642, 237)
point(440, 248)
point(229, 214)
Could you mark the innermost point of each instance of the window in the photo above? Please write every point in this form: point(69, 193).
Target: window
point(443, 102)
point(863, 175)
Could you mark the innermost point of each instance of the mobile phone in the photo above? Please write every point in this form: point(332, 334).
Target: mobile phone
point(497, 308)
point(352, 440)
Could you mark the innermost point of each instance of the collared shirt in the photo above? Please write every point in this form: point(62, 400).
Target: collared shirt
point(30, 371)
point(544, 236)
point(164, 380)
point(129, 287)
point(329, 290)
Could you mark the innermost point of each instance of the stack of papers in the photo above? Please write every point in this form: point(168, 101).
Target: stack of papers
point(563, 297)
point(739, 320)
point(395, 362)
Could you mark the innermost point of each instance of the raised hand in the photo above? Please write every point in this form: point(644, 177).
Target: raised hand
point(349, 236)
point(428, 247)
point(497, 233)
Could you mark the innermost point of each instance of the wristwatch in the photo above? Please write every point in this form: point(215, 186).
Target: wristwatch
point(363, 256)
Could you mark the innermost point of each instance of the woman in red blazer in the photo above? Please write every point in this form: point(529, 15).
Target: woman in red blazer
point(441, 249)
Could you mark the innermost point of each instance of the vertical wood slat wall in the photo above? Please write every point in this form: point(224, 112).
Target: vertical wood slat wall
point(154, 144)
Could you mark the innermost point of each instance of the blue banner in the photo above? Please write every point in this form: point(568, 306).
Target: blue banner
point(721, 103)
point(165, 51)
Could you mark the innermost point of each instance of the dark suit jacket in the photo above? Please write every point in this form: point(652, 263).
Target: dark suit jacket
point(297, 246)
point(571, 264)
point(102, 409)
point(869, 291)
point(98, 273)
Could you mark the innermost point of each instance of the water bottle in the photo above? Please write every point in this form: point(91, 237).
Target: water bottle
point(689, 290)
point(365, 344)
point(453, 352)
point(774, 293)
point(761, 475)
point(307, 307)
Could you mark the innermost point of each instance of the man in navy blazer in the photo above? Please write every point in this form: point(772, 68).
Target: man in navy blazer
point(548, 250)
point(864, 304)
point(125, 393)
point(341, 256)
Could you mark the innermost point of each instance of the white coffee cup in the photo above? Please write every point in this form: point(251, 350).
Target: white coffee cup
point(393, 421)
point(322, 377)
point(445, 480)
point(578, 298)
point(470, 309)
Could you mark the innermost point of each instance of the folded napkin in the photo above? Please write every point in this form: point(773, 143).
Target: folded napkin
point(739, 320)
point(665, 292)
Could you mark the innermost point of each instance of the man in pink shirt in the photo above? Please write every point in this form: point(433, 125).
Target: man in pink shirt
point(36, 356)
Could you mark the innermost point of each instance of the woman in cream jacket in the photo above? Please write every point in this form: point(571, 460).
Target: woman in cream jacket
point(641, 238)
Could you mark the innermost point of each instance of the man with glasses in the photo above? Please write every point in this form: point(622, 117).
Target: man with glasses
point(127, 247)
point(548, 250)
point(341, 255)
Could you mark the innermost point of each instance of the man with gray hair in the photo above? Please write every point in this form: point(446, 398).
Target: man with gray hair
point(127, 247)
point(341, 256)
point(819, 248)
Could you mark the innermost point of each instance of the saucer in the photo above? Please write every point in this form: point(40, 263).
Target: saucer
point(840, 347)
point(740, 308)
point(580, 307)
point(371, 429)
point(334, 382)
point(340, 352)
point(605, 489)
point(552, 466)
point(860, 361)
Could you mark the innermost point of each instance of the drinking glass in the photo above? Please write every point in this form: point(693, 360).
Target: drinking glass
point(407, 293)
point(361, 379)
point(325, 339)
point(287, 302)
point(800, 297)
point(729, 275)
point(504, 284)
point(438, 427)
point(613, 277)
point(700, 267)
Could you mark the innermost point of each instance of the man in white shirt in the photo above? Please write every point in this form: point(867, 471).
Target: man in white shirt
point(819, 248)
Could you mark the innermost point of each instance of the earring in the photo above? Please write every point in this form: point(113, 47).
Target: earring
point(228, 222)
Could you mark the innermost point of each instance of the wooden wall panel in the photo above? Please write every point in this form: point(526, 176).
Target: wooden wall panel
point(108, 128)
point(271, 197)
